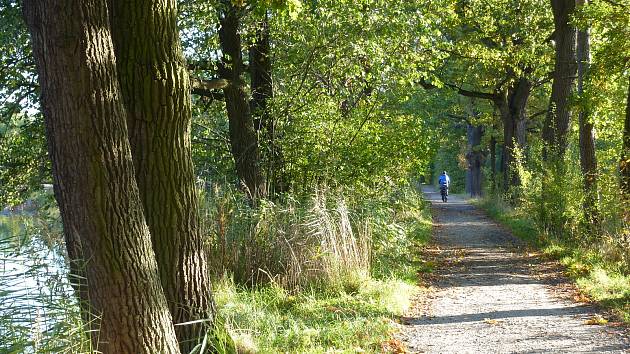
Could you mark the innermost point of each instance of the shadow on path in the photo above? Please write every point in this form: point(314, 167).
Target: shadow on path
point(487, 296)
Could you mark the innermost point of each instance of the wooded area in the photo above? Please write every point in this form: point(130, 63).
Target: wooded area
point(278, 143)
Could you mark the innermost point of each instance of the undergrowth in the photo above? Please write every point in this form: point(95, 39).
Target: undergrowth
point(320, 273)
point(351, 309)
point(602, 278)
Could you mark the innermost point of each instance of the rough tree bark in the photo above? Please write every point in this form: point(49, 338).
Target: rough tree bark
point(261, 79)
point(93, 175)
point(625, 162)
point(556, 128)
point(557, 121)
point(243, 137)
point(512, 105)
point(474, 157)
point(156, 91)
point(262, 91)
point(588, 159)
point(493, 164)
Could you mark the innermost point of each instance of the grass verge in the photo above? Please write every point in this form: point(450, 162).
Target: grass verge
point(360, 318)
point(602, 280)
point(271, 320)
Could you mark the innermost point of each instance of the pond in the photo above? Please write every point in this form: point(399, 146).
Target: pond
point(38, 310)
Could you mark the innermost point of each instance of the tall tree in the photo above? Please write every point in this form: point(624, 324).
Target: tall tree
point(555, 132)
point(243, 136)
point(511, 102)
point(475, 158)
point(512, 105)
point(588, 159)
point(625, 161)
point(262, 92)
point(156, 90)
point(556, 128)
point(95, 187)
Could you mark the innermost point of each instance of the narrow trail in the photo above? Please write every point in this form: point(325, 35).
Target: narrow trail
point(489, 297)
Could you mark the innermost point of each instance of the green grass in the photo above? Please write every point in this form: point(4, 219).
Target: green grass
point(271, 320)
point(605, 281)
point(357, 317)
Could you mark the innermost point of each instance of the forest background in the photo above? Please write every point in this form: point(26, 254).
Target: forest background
point(302, 130)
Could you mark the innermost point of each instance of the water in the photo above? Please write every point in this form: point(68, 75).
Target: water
point(38, 310)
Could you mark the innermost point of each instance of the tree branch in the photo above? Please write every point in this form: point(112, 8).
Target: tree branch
point(207, 88)
point(461, 91)
point(475, 94)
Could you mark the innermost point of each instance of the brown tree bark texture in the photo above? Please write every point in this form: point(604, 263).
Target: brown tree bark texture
point(475, 159)
point(262, 91)
point(556, 128)
point(512, 105)
point(156, 90)
point(588, 159)
point(625, 159)
point(94, 178)
point(243, 137)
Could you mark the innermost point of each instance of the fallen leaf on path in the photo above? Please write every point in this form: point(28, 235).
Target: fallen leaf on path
point(394, 346)
point(491, 322)
point(581, 298)
point(596, 320)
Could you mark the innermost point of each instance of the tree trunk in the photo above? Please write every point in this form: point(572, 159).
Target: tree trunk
point(625, 163)
point(493, 164)
point(262, 91)
point(243, 137)
point(588, 160)
point(512, 106)
point(261, 79)
point(556, 128)
point(557, 121)
point(156, 91)
point(474, 157)
point(94, 179)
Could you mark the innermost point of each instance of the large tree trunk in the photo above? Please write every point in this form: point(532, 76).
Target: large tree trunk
point(243, 137)
point(262, 91)
point(556, 129)
point(588, 160)
point(156, 90)
point(493, 164)
point(512, 106)
point(557, 121)
point(261, 79)
point(94, 179)
point(474, 157)
point(625, 162)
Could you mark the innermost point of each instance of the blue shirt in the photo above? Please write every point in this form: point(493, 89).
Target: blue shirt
point(444, 180)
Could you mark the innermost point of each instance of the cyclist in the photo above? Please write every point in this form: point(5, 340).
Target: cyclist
point(444, 181)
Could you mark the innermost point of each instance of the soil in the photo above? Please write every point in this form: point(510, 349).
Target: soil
point(488, 294)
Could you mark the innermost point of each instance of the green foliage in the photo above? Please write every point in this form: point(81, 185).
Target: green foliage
point(450, 158)
point(23, 159)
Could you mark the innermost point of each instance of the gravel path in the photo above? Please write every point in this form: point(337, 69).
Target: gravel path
point(489, 297)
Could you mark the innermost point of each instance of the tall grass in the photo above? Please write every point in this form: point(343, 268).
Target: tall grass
point(325, 273)
point(293, 243)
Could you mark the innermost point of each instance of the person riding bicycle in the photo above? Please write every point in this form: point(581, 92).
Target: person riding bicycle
point(444, 181)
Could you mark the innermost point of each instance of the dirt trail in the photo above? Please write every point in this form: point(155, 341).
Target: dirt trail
point(487, 297)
